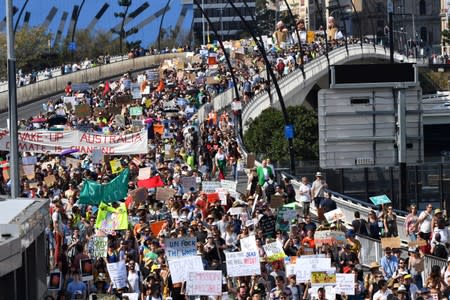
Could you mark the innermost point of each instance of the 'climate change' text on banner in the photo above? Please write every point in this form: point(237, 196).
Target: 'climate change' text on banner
point(54, 142)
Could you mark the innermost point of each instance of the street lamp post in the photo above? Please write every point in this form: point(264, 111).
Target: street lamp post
point(123, 15)
point(20, 15)
point(12, 108)
point(277, 87)
point(227, 58)
point(160, 25)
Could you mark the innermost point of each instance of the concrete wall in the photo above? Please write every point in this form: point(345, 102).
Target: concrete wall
point(54, 86)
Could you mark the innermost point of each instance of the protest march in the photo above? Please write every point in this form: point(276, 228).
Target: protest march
point(146, 200)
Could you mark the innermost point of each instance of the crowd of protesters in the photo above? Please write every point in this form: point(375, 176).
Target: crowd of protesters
point(182, 146)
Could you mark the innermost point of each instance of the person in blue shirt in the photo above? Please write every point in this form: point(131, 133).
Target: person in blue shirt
point(75, 287)
point(389, 263)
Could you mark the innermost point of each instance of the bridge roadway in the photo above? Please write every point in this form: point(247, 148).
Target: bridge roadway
point(293, 82)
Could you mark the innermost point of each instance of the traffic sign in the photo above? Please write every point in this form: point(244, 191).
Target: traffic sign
point(289, 131)
point(72, 46)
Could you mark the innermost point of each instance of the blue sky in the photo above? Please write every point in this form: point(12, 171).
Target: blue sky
point(39, 10)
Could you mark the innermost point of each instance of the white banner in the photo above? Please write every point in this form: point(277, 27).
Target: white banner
point(243, 263)
point(345, 284)
point(54, 142)
point(180, 268)
point(180, 247)
point(307, 263)
point(118, 274)
point(204, 283)
point(248, 243)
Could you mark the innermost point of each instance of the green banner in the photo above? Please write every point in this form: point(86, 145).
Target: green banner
point(94, 193)
point(110, 218)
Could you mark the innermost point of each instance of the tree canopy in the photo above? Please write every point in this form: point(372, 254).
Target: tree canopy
point(265, 134)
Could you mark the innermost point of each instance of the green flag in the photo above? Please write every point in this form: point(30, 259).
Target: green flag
point(93, 193)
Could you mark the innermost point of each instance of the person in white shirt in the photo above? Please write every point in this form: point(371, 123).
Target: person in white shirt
point(305, 195)
point(134, 278)
point(424, 220)
point(383, 292)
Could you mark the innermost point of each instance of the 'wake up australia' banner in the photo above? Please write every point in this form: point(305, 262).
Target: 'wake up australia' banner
point(54, 142)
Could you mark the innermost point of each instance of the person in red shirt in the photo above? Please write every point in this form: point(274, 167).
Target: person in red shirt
point(309, 239)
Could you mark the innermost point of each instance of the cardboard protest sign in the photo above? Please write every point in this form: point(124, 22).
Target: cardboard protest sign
point(210, 186)
point(242, 263)
point(345, 284)
point(180, 268)
point(212, 80)
point(248, 244)
point(180, 247)
point(28, 171)
point(392, 242)
point(118, 274)
point(329, 237)
point(164, 194)
point(86, 269)
point(334, 215)
point(100, 246)
point(83, 110)
point(417, 243)
point(322, 278)
point(204, 283)
point(274, 251)
point(55, 281)
point(189, 183)
point(138, 196)
point(50, 180)
point(156, 227)
point(276, 201)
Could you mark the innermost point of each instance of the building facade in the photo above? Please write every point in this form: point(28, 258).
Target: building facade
point(224, 18)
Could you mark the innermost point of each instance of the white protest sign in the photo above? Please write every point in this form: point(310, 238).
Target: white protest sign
point(236, 211)
point(307, 263)
point(334, 215)
point(222, 195)
point(345, 283)
point(204, 283)
point(29, 160)
point(144, 173)
point(180, 268)
point(229, 185)
point(189, 183)
point(181, 247)
point(97, 156)
point(274, 251)
point(210, 186)
point(242, 263)
point(118, 274)
point(248, 243)
point(131, 296)
point(100, 246)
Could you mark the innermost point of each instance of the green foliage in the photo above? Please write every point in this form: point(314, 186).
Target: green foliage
point(265, 134)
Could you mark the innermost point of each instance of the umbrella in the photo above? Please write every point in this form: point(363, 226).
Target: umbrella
point(293, 205)
point(39, 120)
point(68, 151)
point(381, 199)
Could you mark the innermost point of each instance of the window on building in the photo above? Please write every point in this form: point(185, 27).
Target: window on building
point(422, 8)
point(423, 34)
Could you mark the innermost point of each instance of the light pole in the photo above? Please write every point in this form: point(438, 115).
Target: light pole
point(160, 25)
point(288, 125)
point(12, 109)
point(20, 15)
point(75, 24)
point(123, 15)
